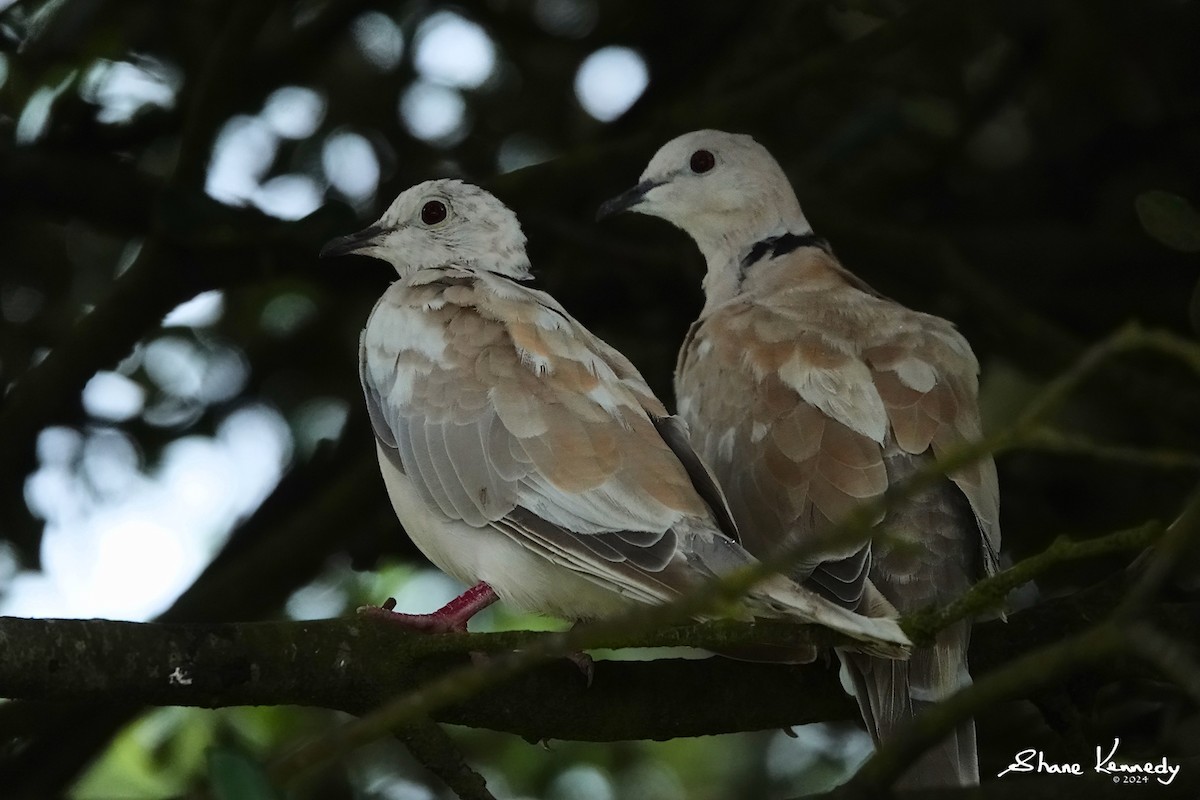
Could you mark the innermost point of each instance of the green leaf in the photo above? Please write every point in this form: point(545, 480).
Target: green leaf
point(233, 775)
point(1170, 219)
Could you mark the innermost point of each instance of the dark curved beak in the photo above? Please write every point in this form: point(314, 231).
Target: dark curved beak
point(344, 245)
point(625, 200)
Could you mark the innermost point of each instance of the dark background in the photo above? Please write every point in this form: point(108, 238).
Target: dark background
point(1025, 169)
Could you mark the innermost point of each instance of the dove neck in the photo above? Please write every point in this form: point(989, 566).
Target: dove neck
point(510, 262)
point(728, 260)
point(776, 246)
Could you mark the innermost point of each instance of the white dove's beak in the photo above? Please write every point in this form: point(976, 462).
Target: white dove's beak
point(353, 243)
point(626, 201)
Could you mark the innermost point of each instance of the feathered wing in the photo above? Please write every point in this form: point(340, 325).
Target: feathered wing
point(926, 378)
point(791, 469)
point(935, 545)
point(505, 413)
point(488, 414)
point(809, 402)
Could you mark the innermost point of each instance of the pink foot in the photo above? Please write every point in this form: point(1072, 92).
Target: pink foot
point(450, 618)
point(583, 662)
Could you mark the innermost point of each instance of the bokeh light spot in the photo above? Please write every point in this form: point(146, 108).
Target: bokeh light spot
point(454, 51)
point(243, 153)
point(121, 89)
point(351, 165)
point(294, 112)
point(609, 81)
point(291, 197)
point(433, 113)
point(379, 39)
point(113, 397)
point(286, 313)
point(202, 311)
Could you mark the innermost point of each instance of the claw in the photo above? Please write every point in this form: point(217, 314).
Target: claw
point(450, 618)
point(585, 664)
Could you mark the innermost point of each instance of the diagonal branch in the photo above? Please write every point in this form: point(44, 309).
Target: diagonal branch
point(1018, 678)
point(989, 593)
point(1173, 659)
point(1049, 440)
point(434, 748)
point(1118, 634)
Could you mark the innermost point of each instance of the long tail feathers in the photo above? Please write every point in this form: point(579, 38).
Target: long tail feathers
point(891, 693)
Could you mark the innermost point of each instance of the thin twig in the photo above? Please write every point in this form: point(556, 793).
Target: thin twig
point(1036, 670)
point(1172, 658)
point(989, 593)
point(432, 746)
point(1048, 666)
point(1175, 550)
point(1055, 441)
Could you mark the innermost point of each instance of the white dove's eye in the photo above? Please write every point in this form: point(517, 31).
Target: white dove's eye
point(433, 212)
point(702, 161)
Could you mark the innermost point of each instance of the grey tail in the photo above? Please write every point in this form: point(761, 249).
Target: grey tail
point(891, 693)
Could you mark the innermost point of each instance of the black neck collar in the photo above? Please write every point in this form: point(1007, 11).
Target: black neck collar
point(775, 246)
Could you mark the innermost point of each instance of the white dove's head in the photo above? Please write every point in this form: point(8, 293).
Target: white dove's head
point(722, 189)
point(445, 222)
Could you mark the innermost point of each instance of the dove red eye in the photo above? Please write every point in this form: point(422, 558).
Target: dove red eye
point(702, 161)
point(433, 212)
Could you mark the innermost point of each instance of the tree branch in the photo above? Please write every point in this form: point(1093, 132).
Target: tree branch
point(434, 748)
point(1120, 633)
point(1018, 678)
point(354, 666)
point(1048, 440)
point(989, 593)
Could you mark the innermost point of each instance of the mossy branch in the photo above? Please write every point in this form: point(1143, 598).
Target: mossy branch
point(1121, 633)
point(989, 594)
point(1020, 677)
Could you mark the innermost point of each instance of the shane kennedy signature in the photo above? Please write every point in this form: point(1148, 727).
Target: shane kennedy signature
point(1032, 760)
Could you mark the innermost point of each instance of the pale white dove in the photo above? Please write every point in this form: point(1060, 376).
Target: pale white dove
point(524, 456)
point(808, 392)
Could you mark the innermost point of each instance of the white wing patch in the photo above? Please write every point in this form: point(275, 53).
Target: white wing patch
point(399, 382)
point(603, 396)
point(847, 393)
point(391, 323)
point(916, 374)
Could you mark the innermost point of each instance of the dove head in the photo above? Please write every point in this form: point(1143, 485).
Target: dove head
point(442, 223)
point(722, 189)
